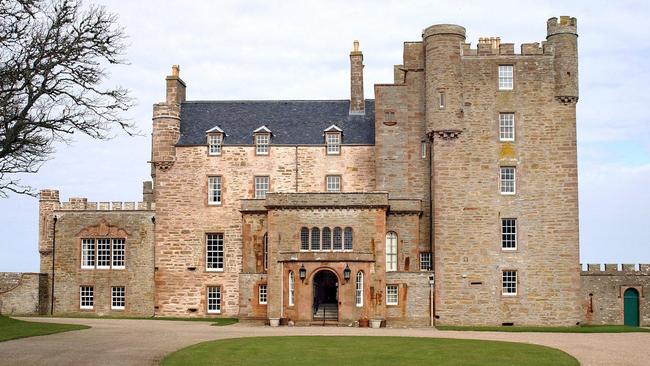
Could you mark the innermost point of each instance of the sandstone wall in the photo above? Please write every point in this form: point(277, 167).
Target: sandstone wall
point(23, 293)
point(413, 307)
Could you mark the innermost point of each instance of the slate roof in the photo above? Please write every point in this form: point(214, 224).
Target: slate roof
point(292, 122)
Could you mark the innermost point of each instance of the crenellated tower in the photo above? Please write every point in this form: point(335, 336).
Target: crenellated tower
point(563, 36)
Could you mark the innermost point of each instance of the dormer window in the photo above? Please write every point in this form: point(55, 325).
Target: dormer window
point(262, 137)
point(215, 139)
point(333, 140)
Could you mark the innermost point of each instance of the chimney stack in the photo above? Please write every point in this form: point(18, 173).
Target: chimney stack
point(175, 87)
point(357, 102)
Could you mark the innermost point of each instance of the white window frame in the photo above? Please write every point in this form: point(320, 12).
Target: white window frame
point(213, 299)
point(214, 252)
point(215, 141)
point(262, 294)
point(262, 185)
point(86, 297)
point(423, 150)
point(506, 127)
point(215, 191)
point(333, 142)
point(118, 297)
point(262, 143)
point(103, 252)
point(425, 261)
point(292, 289)
point(509, 279)
point(504, 180)
point(118, 253)
point(333, 183)
point(88, 253)
point(509, 234)
point(265, 248)
point(392, 295)
point(506, 77)
point(359, 290)
point(391, 251)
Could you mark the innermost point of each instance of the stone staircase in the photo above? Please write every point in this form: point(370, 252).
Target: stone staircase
point(327, 312)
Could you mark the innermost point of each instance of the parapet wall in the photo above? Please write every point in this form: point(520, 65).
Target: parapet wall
point(507, 49)
point(615, 269)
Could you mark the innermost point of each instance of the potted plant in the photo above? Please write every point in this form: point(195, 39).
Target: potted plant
point(364, 322)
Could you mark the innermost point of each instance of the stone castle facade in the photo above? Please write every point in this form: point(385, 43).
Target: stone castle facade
point(452, 198)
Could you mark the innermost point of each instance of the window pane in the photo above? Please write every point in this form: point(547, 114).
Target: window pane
point(214, 190)
point(261, 187)
point(507, 180)
point(88, 253)
point(337, 242)
point(214, 299)
point(359, 289)
point(262, 144)
point(333, 183)
point(505, 77)
point(304, 238)
point(86, 298)
point(265, 244)
point(315, 238)
point(509, 282)
point(508, 233)
point(103, 253)
point(327, 239)
point(262, 294)
point(392, 295)
point(506, 127)
point(118, 253)
point(391, 251)
point(117, 298)
point(215, 144)
point(347, 238)
point(425, 261)
point(333, 141)
point(291, 288)
point(214, 252)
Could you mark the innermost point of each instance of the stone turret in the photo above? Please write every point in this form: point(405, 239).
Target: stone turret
point(166, 123)
point(357, 101)
point(563, 36)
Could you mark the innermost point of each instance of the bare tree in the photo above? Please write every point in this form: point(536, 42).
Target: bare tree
point(52, 64)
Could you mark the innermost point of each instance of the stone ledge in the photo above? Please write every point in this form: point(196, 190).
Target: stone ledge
point(339, 256)
point(326, 200)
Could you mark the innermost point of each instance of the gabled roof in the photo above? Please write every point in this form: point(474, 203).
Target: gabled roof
point(293, 122)
point(333, 128)
point(262, 129)
point(214, 129)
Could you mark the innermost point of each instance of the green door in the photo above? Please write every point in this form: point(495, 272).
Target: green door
point(631, 307)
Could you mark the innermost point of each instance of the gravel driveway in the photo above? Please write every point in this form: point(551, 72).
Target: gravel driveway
point(146, 342)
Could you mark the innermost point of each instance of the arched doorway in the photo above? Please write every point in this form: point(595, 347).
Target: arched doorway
point(326, 295)
point(631, 307)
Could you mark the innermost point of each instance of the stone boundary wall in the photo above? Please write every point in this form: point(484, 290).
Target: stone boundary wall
point(22, 293)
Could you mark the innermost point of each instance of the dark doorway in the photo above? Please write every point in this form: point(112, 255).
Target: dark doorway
point(326, 295)
point(631, 307)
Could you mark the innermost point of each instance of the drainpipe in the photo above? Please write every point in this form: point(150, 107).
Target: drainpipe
point(53, 256)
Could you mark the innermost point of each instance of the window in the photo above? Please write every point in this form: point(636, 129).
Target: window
point(337, 242)
point(333, 141)
point(389, 116)
point(425, 261)
point(423, 150)
point(507, 180)
point(327, 239)
point(359, 289)
point(87, 253)
point(292, 289)
point(509, 283)
point(262, 143)
point(214, 252)
point(392, 295)
point(86, 298)
point(505, 77)
point(347, 238)
point(214, 300)
point(103, 253)
point(214, 144)
point(441, 99)
point(391, 251)
point(509, 234)
point(315, 238)
point(333, 183)
point(265, 244)
point(214, 190)
point(261, 186)
point(117, 298)
point(506, 127)
point(262, 294)
point(118, 253)
point(304, 238)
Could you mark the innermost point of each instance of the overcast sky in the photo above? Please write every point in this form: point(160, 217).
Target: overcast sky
point(299, 50)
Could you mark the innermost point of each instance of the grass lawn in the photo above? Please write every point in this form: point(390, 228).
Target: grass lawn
point(360, 351)
point(13, 328)
point(576, 329)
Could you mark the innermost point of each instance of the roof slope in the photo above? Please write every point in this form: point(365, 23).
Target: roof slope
point(292, 122)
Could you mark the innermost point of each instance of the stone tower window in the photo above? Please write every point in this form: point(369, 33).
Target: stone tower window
point(509, 234)
point(304, 238)
point(214, 252)
point(214, 190)
point(509, 283)
point(389, 117)
point(507, 180)
point(214, 300)
point(327, 239)
point(391, 251)
point(506, 77)
point(337, 239)
point(347, 238)
point(441, 99)
point(333, 183)
point(506, 127)
point(315, 238)
point(261, 187)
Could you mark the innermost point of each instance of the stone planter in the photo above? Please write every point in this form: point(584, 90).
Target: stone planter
point(375, 323)
point(364, 323)
point(274, 322)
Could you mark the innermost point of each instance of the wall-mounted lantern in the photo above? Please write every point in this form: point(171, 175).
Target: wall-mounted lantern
point(346, 273)
point(302, 272)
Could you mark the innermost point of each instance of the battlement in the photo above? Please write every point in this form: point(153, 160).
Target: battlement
point(615, 269)
point(566, 25)
point(496, 48)
point(82, 204)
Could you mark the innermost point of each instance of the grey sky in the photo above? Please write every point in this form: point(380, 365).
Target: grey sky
point(299, 50)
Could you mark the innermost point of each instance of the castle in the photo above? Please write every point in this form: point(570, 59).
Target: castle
point(451, 198)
